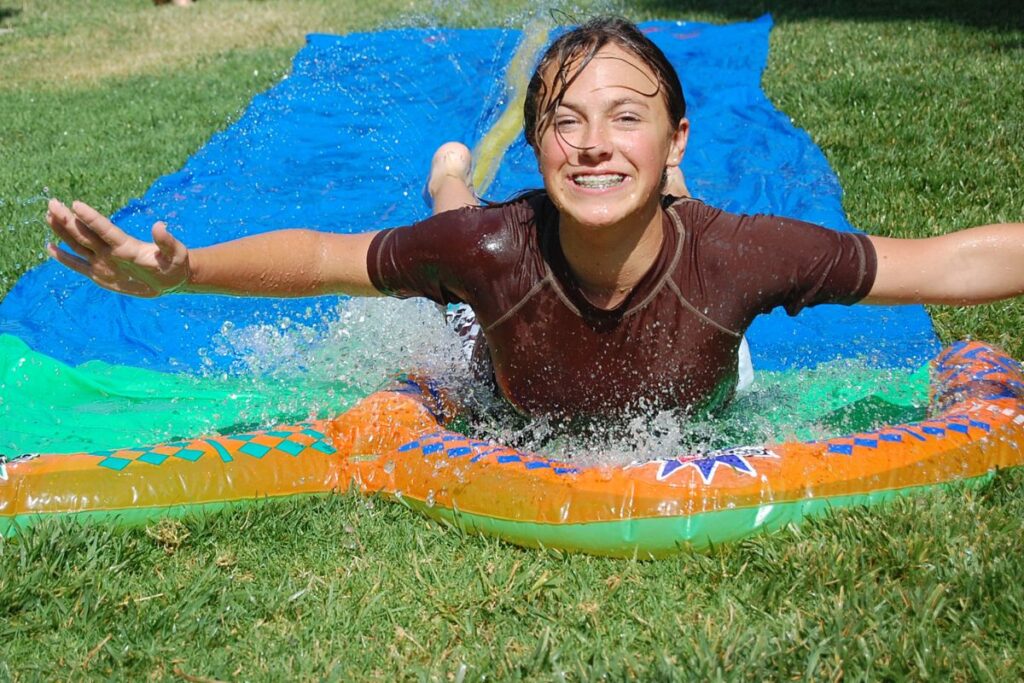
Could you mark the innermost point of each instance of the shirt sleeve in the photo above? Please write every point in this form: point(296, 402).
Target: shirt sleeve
point(424, 259)
point(794, 264)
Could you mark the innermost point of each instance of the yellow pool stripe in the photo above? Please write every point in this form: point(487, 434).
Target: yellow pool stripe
point(491, 149)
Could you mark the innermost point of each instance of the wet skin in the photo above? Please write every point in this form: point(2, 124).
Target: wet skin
point(603, 159)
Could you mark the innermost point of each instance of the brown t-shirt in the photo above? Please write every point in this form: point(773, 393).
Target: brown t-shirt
point(671, 343)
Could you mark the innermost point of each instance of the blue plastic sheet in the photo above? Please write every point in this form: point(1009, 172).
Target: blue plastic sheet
point(344, 143)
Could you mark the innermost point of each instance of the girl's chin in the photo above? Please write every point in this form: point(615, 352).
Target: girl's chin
point(608, 215)
point(596, 221)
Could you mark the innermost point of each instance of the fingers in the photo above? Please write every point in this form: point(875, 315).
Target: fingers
point(170, 247)
point(125, 285)
point(111, 258)
point(62, 222)
point(76, 264)
point(100, 226)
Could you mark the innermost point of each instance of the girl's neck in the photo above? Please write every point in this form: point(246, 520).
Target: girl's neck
point(609, 262)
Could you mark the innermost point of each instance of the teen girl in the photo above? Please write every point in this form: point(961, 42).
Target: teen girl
point(607, 291)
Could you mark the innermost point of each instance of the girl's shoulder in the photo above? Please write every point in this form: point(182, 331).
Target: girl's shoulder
point(692, 216)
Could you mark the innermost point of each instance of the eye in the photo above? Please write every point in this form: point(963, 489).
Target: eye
point(564, 123)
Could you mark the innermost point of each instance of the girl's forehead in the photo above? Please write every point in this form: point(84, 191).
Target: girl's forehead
point(612, 67)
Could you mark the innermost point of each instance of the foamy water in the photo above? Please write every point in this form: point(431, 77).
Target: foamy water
point(367, 342)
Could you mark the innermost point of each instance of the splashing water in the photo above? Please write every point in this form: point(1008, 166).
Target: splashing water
point(832, 399)
point(293, 370)
point(371, 341)
point(366, 343)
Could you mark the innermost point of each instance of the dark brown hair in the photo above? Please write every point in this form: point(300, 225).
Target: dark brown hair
point(571, 53)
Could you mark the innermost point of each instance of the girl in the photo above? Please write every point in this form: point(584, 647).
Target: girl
point(608, 291)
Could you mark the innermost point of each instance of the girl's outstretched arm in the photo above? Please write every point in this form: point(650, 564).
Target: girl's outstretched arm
point(285, 263)
point(970, 266)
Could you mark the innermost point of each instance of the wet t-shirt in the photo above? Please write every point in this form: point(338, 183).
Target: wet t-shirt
point(672, 343)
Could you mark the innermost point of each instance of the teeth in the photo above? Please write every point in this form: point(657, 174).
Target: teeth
point(598, 182)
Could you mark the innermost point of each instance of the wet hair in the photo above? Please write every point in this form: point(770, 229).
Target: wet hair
point(573, 51)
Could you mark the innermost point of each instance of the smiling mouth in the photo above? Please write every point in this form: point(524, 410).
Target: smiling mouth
point(598, 182)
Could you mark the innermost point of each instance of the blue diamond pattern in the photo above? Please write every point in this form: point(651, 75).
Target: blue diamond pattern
point(112, 463)
point(323, 447)
point(292, 448)
point(189, 454)
point(254, 449)
point(912, 433)
point(478, 456)
point(152, 458)
point(457, 445)
point(1005, 393)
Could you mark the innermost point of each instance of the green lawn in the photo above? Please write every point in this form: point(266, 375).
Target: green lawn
point(917, 106)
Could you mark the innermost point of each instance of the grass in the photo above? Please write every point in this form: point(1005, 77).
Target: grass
point(915, 103)
point(346, 588)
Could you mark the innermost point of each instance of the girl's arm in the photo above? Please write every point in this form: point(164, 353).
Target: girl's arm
point(285, 263)
point(971, 266)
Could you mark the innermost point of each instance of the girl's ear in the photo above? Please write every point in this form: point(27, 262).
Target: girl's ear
point(678, 144)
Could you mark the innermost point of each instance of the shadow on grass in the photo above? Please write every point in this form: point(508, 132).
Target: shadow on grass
point(1001, 16)
point(8, 13)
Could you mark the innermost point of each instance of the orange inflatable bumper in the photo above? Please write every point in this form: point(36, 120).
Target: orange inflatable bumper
point(394, 443)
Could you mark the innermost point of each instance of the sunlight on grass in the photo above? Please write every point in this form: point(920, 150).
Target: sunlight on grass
point(344, 588)
point(143, 40)
point(76, 47)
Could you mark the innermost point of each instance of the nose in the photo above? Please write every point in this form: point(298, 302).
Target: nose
point(595, 144)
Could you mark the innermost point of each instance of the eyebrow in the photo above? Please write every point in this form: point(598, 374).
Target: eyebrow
point(618, 102)
point(628, 100)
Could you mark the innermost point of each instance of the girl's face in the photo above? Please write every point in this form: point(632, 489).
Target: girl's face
point(609, 142)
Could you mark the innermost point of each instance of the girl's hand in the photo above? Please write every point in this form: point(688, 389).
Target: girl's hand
point(113, 259)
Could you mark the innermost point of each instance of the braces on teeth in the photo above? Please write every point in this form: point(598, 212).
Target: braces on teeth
point(598, 181)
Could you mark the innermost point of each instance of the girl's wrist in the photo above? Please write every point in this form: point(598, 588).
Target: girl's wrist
point(181, 287)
